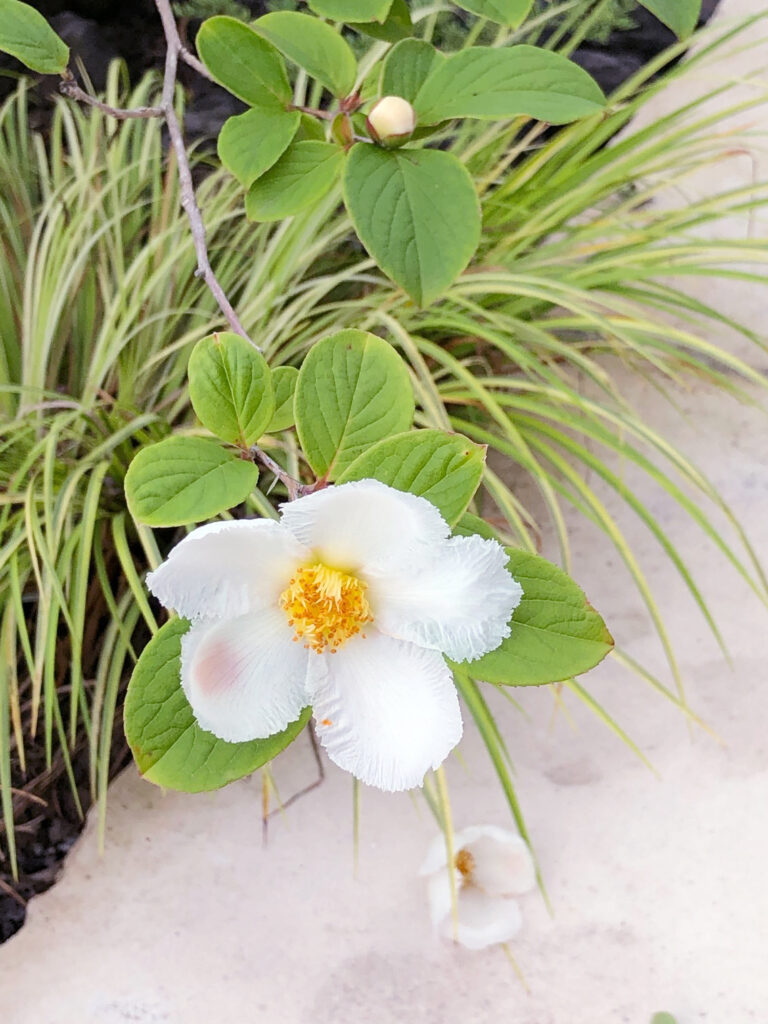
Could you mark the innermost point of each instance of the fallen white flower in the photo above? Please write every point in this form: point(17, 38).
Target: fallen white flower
point(348, 604)
point(490, 866)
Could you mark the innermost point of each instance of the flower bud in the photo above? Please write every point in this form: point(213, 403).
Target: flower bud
point(391, 121)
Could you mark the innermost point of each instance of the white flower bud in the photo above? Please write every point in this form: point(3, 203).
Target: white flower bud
point(391, 121)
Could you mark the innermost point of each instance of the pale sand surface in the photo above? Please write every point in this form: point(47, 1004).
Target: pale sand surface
point(658, 885)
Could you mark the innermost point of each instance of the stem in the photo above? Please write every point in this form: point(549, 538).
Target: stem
point(197, 65)
point(324, 115)
point(450, 853)
point(294, 487)
point(71, 89)
point(188, 200)
point(175, 51)
point(302, 792)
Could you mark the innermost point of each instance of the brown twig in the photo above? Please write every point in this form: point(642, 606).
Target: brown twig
point(267, 814)
point(175, 50)
point(294, 487)
point(324, 115)
point(71, 89)
point(193, 62)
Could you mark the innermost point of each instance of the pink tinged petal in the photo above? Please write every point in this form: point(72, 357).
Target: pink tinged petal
point(459, 602)
point(386, 711)
point(503, 865)
point(245, 678)
point(365, 525)
point(227, 569)
point(483, 920)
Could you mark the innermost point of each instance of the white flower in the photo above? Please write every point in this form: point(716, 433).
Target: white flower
point(490, 865)
point(391, 120)
point(348, 604)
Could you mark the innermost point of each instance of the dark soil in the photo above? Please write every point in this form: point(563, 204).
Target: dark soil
point(48, 821)
point(48, 818)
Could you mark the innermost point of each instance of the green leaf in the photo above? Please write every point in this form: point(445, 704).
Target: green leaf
point(355, 10)
point(186, 480)
point(682, 16)
point(503, 12)
point(416, 212)
point(302, 175)
point(407, 67)
point(284, 380)
point(169, 746)
point(353, 390)
point(242, 61)
point(663, 1018)
point(230, 386)
point(314, 46)
point(470, 523)
point(489, 83)
point(556, 633)
point(26, 35)
point(250, 143)
point(446, 469)
point(310, 130)
point(398, 24)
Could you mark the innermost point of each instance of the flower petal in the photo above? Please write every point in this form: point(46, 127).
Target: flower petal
point(503, 865)
point(437, 856)
point(365, 525)
point(482, 920)
point(459, 602)
point(245, 678)
point(502, 861)
point(227, 568)
point(386, 711)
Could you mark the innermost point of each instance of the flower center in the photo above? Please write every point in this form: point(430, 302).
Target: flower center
point(325, 606)
point(465, 865)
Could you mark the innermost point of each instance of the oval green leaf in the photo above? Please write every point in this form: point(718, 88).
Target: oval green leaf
point(302, 175)
point(170, 748)
point(407, 67)
point(186, 480)
point(502, 12)
point(416, 212)
point(470, 523)
point(230, 386)
point(27, 36)
point(250, 143)
point(505, 82)
point(353, 390)
point(351, 10)
point(398, 24)
point(314, 46)
point(446, 469)
point(284, 379)
point(242, 61)
point(681, 16)
point(310, 130)
point(556, 633)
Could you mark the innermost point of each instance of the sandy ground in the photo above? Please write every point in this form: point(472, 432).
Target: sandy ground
point(657, 883)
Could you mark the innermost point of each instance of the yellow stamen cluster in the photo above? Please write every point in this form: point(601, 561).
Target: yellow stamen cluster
point(465, 865)
point(325, 606)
